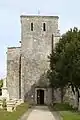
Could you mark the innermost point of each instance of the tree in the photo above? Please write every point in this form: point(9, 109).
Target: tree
point(65, 62)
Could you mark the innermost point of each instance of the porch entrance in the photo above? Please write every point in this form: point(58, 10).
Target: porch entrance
point(40, 97)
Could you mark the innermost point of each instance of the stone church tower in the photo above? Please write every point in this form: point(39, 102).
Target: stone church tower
point(26, 65)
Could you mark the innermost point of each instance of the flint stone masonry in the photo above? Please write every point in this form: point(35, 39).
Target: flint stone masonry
point(13, 56)
point(26, 64)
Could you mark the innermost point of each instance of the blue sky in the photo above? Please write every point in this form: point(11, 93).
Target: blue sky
point(10, 11)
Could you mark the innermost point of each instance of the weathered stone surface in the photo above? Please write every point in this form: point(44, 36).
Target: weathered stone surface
point(11, 106)
point(35, 47)
point(27, 64)
point(5, 93)
point(79, 105)
point(13, 56)
point(57, 95)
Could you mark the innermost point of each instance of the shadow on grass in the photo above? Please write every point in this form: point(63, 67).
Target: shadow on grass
point(62, 107)
point(63, 111)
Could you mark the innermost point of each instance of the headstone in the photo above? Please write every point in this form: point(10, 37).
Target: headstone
point(5, 93)
point(11, 106)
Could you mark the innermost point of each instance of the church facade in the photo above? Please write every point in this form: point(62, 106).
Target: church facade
point(27, 64)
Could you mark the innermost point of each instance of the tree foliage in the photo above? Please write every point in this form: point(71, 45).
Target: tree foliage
point(65, 61)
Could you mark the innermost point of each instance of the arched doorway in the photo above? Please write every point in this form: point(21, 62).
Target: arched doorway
point(40, 96)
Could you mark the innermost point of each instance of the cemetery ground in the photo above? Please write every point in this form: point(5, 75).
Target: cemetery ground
point(15, 115)
point(60, 112)
point(65, 111)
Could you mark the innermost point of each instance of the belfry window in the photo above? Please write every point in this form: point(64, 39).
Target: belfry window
point(44, 27)
point(31, 26)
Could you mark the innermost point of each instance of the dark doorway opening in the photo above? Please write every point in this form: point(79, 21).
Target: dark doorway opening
point(40, 97)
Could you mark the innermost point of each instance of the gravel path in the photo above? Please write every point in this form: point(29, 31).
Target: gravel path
point(40, 113)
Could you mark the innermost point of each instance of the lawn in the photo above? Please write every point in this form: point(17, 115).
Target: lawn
point(4, 115)
point(62, 107)
point(66, 111)
point(68, 115)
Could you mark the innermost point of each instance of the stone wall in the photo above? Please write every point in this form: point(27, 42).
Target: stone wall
point(26, 65)
point(57, 96)
point(35, 47)
point(13, 58)
point(49, 96)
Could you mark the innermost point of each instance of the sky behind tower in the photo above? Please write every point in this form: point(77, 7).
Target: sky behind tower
point(10, 11)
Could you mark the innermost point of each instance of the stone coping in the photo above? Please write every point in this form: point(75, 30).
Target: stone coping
point(13, 47)
point(49, 16)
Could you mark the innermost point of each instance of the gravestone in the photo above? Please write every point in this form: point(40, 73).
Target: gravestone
point(5, 94)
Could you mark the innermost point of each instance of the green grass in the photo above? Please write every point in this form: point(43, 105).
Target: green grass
point(4, 115)
point(62, 107)
point(69, 115)
point(66, 111)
